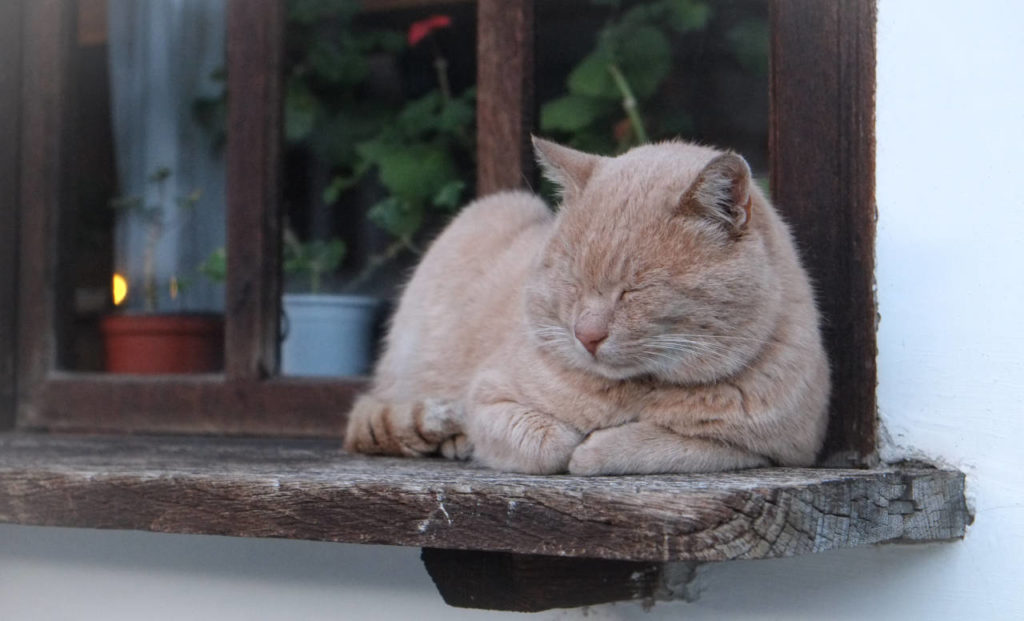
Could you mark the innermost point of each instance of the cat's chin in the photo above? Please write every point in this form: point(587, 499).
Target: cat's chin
point(606, 369)
point(681, 373)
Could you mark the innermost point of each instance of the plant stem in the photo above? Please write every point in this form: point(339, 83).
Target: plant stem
point(149, 267)
point(629, 103)
point(441, 66)
point(378, 260)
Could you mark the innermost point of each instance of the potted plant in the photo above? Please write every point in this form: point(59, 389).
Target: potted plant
point(138, 338)
point(396, 156)
point(323, 334)
point(414, 156)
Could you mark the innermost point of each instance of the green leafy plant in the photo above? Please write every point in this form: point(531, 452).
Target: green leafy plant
point(418, 150)
point(215, 267)
point(614, 96)
point(417, 156)
point(312, 260)
point(153, 217)
point(631, 58)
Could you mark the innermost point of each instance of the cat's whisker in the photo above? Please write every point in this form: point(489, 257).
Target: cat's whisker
point(704, 350)
point(707, 337)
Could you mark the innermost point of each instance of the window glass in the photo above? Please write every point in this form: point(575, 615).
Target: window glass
point(614, 73)
point(144, 218)
point(380, 146)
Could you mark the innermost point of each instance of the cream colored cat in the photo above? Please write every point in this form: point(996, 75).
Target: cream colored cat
point(661, 322)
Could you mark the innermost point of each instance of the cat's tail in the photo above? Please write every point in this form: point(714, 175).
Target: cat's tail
point(413, 429)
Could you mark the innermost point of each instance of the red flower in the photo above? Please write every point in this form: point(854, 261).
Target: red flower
point(419, 30)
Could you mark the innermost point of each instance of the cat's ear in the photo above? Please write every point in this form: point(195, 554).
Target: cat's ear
point(567, 168)
point(721, 192)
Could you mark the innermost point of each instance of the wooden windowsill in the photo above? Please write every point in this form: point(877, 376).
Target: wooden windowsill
point(309, 489)
point(491, 539)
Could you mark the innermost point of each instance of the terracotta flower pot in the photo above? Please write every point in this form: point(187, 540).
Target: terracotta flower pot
point(149, 344)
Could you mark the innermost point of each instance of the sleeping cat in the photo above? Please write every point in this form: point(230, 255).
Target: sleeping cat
point(659, 323)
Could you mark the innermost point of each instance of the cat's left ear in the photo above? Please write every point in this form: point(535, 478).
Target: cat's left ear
point(721, 192)
point(567, 168)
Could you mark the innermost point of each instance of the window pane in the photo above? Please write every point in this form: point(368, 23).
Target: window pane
point(697, 70)
point(145, 212)
point(379, 129)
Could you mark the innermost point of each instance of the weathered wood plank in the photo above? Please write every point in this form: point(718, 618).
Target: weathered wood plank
point(531, 583)
point(255, 75)
point(46, 39)
point(310, 490)
point(296, 407)
point(504, 110)
point(10, 114)
point(823, 164)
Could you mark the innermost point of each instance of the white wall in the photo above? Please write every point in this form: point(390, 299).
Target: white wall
point(951, 221)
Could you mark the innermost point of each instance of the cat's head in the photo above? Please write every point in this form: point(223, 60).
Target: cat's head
point(657, 265)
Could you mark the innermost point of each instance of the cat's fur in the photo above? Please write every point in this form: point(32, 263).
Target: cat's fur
point(668, 263)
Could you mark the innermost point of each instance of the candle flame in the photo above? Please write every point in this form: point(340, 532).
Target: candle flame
point(120, 289)
point(174, 287)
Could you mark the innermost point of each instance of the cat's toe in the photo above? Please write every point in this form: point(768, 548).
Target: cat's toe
point(457, 447)
point(593, 456)
point(440, 420)
point(585, 461)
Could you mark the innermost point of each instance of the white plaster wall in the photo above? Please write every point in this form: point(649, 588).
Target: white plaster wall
point(951, 287)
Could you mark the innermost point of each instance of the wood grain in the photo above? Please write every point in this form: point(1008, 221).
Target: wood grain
point(254, 168)
point(310, 490)
point(45, 39)
point(504, 110)
point(10, 114)
point(823, 165)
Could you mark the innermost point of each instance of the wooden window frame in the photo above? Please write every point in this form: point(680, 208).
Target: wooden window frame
point(822, 178)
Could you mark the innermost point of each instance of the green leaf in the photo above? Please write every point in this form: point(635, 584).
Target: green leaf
point(396, 216)
point(688, 15)
point(572, 113)
point(421, 115)
point(646, 61)
point(450, 195)
point(338, 64)
point(215, 267)
point(456, 115)
point(413, 173)
point(326, 256)
point(591, 77)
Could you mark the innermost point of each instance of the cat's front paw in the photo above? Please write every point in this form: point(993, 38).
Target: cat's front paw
point(602, 452)
point(588, 458)
point(457, 447)
point(412, 429)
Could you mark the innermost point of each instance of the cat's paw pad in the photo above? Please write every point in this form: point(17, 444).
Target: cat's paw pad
point(457, 447)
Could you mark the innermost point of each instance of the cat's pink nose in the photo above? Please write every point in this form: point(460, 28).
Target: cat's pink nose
point(590, 335)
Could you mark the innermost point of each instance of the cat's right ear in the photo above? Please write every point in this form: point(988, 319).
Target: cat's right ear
point(567, 168)
point(721, 193)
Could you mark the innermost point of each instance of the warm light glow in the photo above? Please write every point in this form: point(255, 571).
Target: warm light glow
point(174, 287)
point(120, 288)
